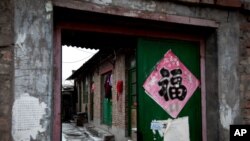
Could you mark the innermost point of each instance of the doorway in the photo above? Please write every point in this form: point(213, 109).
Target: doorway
point(150, 29)
point(106, 99)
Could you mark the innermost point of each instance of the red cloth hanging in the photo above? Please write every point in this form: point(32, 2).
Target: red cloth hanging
point(119, 88)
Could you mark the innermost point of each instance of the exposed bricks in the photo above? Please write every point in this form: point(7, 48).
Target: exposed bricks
point(207, 1)
point(246, 105)
point(4, 124)
point(245, 27)
point(229, 3)
point(118, 106)
point(5, 69)
point(6, 55)
point(224, 3)
point(190, 1)
point(244, 70)
point(5, 129)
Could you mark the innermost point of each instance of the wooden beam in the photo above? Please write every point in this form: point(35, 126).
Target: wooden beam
point(126, 31)
point(119, 11)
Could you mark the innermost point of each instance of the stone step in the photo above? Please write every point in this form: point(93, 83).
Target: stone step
point(98, 133)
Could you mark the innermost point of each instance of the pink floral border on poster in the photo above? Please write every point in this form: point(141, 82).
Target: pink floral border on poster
point(171, 84)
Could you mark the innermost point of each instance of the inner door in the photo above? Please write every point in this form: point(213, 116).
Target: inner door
point(149, 52)
point(106, 99)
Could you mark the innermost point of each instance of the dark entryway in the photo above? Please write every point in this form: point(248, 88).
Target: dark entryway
point(72, 26)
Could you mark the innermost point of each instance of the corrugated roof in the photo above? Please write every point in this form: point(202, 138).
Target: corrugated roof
point(86, 66)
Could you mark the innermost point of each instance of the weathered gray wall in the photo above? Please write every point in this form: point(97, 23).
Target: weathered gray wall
point(222, 56)
point(212, 101)
point(228, 76)
point(33, 59)
point(33, 65)
point(6, 71)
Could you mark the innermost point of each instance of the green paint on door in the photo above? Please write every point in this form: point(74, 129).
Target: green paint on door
point(106, 103)
point(149, 52)
point(107, 107)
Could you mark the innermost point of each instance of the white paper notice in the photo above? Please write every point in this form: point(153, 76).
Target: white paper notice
point(26, 115)
point(178, 130)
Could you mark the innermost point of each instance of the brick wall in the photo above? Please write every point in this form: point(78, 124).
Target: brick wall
point(244, 70)
point(118, 106)
point(97, 97)
point(6, 41)
point(106, 66)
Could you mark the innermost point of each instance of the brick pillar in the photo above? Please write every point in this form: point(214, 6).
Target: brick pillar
point(6, 61)
point(244, 70)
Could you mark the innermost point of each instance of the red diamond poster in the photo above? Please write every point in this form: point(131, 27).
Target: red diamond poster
point(171, 84)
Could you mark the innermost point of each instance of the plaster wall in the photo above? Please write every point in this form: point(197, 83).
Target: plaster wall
point(33, 54)
point(222, 57)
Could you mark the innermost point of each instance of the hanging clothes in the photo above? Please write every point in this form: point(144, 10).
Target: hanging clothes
point(108, 87)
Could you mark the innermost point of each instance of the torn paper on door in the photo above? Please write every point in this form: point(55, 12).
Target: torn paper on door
point(172, 129)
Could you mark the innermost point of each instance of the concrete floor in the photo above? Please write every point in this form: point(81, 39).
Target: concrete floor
point(70, 132)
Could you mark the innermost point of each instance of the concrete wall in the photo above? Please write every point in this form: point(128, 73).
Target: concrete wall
point(6, 68)
point(226, 53)
point(33, 54)
point(222, 52)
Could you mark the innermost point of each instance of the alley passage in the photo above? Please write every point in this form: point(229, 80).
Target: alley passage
point(70, 132)
point(88, 132)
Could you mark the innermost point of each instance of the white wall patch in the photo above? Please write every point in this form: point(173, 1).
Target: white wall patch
point(228, 114)
point(172, 129)
point(105, 2)
point(27, 112)
point(49, 6)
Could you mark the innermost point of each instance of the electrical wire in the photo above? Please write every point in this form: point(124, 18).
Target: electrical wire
point(80, 59)
point(86, 51)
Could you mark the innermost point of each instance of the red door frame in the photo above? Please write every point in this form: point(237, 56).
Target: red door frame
point(57, 81)
point(117, 30)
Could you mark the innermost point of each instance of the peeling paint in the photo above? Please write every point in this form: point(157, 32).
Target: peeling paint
point(228, 114)
point(20, 40)
point(131, 14)
point(48, 6)
point(105, 2)
point(42, 83)
point(148, 6)
point(172, 129)
point(27, 112)
point(48, 16)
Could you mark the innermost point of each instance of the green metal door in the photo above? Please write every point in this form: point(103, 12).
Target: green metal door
point(149, 52)
point(107, 107)
point(106, 104)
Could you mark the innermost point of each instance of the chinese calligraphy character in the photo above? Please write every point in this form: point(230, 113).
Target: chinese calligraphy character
point(171, 86)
